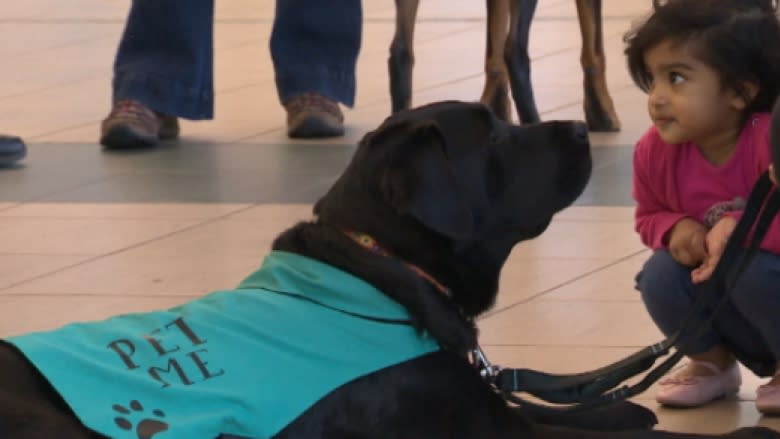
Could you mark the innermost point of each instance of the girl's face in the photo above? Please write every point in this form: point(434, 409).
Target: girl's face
point(686, 100)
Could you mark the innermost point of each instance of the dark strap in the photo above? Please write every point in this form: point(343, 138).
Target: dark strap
point(597, 387)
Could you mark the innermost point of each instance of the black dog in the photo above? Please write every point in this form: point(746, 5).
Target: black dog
point(427, 212)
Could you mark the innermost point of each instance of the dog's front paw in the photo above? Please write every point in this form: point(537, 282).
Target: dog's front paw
point(753, 433)
point(623, 415)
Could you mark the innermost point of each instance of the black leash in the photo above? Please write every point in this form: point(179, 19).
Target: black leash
point(582, 391)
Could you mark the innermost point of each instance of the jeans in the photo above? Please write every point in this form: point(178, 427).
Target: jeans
point(669, 294)
point(165, 57)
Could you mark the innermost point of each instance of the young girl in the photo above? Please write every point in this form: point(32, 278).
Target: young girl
point(711, 69)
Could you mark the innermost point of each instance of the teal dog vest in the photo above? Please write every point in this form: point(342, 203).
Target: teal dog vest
point(245, 362)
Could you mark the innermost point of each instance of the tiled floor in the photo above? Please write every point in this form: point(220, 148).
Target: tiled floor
point(86, 234)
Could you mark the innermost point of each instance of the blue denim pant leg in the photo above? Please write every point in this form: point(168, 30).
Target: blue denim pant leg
point(669, 295)
point(314, 48)
point(165, 57)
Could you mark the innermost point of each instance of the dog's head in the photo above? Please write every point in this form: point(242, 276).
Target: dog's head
point(451, 188)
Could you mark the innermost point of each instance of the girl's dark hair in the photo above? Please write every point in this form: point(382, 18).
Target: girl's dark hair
point(739, 39)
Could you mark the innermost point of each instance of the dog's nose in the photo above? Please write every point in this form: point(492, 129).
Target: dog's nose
point(581, 131)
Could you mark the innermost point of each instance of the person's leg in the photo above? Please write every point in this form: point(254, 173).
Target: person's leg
point(314, 48)
point(669, 294)
point(163, 69)
point(12, 149)
point(757, 294)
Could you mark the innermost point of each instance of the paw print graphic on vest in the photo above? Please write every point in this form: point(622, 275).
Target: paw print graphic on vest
point(145, 428)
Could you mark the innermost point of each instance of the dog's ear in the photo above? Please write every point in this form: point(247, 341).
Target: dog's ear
point(419, 180)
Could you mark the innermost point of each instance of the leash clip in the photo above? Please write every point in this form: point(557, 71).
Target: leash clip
point(488, 372)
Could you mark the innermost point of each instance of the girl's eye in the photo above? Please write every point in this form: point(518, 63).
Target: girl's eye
point(676, 78)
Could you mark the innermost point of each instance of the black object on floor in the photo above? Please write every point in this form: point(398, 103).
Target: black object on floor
point(12, 149)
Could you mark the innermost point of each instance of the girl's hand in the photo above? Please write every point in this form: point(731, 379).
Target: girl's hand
point(686, 242)
point(716, 244)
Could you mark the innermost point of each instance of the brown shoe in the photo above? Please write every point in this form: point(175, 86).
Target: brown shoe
point(311, 115)
point(133, 125)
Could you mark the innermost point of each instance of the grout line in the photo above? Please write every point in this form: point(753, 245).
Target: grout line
point(130, 247)
point(84, 295)
point(553, 288)
point(612, 91)
point(52, 86)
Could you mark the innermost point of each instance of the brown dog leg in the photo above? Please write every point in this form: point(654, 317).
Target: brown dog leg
point(517, 61)
point(401, 60)
point(600, 112)
point(496, 91)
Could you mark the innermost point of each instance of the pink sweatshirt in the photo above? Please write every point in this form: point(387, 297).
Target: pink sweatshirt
point(672, 182)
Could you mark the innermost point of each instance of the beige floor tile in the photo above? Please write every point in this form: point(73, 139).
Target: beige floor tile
point(83, 132)
point(610, 240)
point(612, 282)
point(47, 111)
point(572, 323)
point(213, 256)
point(524, 278)
point(122, 211)
point(19, 315)
point(81, 236)
point(430, 9)
point(596, 213)
point(239, 113)
point(282, 215)
point(244, 61)
point(244, 9)
point(17, 268)
point(44, 39)
point(48, 10)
